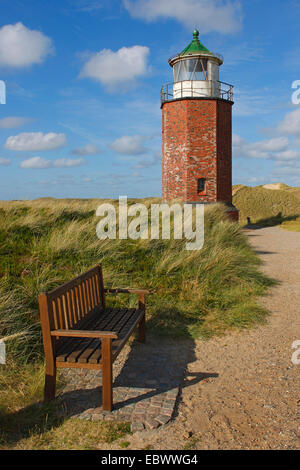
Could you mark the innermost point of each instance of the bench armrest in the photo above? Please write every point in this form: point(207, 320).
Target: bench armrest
point(84, 334)
point(126, 291)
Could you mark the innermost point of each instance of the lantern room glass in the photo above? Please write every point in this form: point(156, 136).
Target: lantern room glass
point(190, 69)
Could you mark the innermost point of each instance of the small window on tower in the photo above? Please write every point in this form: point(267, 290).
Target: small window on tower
point(201, 185)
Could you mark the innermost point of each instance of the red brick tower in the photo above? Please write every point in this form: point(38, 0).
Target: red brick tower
point(197, 130)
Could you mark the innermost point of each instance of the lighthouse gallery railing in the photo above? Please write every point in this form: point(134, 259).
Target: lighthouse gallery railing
point(185, 88)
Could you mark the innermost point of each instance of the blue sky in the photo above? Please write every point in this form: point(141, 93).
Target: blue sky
point(82, 116)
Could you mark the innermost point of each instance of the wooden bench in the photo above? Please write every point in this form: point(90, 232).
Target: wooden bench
point(79, 331)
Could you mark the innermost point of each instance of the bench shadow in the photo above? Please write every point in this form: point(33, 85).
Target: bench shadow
point(143, 373)
point(269, 221)
point(262, 252)
point(153, 369)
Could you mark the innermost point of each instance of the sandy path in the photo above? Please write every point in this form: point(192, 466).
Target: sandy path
point(254, 401)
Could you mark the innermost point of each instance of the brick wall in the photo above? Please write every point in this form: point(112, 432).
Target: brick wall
point(224, 150)
point(197, 143)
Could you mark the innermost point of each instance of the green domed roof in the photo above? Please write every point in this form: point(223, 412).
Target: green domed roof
point(195, 47)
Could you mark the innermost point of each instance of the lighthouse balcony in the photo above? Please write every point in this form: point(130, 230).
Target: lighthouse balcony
point(196, 89)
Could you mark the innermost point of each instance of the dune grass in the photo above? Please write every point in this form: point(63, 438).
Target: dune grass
point(291, 225)
point(267, 207)
point(43, 243)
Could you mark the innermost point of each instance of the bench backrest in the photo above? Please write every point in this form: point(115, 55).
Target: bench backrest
point(70, 303)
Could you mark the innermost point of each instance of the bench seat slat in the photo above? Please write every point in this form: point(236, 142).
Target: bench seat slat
point(77, 347)
point(126, 332)
point(89, 323)
point(120, 323)
point(87, 350)
point(83, 355)
point(95, 345)
point(123, 329)
point(65, 345)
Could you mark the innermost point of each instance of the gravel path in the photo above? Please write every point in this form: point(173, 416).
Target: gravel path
point(241, 391)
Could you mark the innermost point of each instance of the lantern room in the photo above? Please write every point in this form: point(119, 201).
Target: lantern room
point(196, 74)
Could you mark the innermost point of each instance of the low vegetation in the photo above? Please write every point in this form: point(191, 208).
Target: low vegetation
point(291, 225)
point(46, 242)
point(267, 205)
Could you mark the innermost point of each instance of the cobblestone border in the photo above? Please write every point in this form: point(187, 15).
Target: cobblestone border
point(146, 387)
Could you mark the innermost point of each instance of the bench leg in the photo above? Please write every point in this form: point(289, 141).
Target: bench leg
point(107, 395)
point(142, 323)
point(142, 330)
point(49, 348)
point(50, 383)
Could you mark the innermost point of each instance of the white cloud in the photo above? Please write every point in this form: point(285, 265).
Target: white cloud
point(271, 145)
point(283, 150)
point(148, 161)
point(237, 140)
point(4, 162)
point(275, 149)
point(288, 155)
point(13, 122)
point(35, 141)
point(130, 145)
point(117, 68)
point(209, 15)
point(22, 47)
point(88, 149)
point(290, 124)
point(42, 163)
point(36, 162)
point(68, 162)
point(287, 163)
point(284, 170)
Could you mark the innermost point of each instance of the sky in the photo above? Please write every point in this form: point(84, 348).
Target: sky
point(82, 116)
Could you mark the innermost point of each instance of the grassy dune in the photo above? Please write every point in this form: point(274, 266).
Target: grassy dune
point(46, 242)
point(291, 225)
point(267, 206)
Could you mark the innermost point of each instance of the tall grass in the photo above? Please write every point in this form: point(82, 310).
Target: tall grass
point(195, 293)
point(17, 329)
point(44, 243)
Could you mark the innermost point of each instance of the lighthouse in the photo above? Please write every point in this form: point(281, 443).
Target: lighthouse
point(197, 130)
